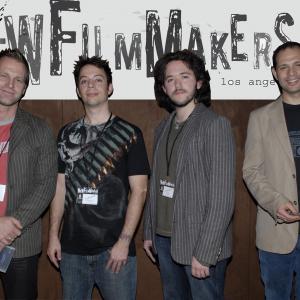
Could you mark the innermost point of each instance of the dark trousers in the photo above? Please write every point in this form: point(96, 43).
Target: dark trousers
point(20, 280)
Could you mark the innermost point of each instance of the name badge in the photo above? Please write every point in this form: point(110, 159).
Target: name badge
point(167, 188)
point(2, 192)
point(87, 196)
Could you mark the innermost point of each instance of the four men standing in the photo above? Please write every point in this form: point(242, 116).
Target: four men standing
point(188, 216)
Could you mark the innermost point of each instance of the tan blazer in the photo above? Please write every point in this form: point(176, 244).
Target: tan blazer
point(270, 174)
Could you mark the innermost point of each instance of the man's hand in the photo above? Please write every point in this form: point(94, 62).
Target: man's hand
point(10, 229)
point(288, 213)
point(54, 250)
point(118, 256)
point(148, 248)
point(198, 270)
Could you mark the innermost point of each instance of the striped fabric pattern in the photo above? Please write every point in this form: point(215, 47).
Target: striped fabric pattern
point(204, 189)
point(32, 170)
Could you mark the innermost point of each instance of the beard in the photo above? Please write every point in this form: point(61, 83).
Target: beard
point(185, 102)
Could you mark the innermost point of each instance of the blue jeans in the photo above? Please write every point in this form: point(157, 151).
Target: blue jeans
point(178, 282)
point(277, 272)
point(80, 273)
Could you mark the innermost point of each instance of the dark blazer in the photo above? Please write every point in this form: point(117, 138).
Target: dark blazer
point(204, 189)
point(32, 169)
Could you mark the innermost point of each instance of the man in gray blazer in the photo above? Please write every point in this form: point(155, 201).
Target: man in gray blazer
point(191, 201)
point(27, 177)
point(271, 171)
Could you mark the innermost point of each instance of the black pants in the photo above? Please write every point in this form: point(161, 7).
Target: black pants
point(20, 280)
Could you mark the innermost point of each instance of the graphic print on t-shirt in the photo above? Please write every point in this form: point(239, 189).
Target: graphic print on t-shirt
point(103, 160)
point(4, 145)
point(295, 142)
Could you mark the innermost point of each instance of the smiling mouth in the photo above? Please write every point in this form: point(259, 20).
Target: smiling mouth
point(7, 92)
point(292, 81)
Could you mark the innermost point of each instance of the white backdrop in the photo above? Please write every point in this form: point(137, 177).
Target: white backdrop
point(238, 39)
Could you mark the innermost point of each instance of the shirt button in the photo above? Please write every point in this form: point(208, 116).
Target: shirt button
point(295, 202)
point(294, 176)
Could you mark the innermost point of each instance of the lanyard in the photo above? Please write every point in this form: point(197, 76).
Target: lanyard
point(169, 157)
point(99, 134)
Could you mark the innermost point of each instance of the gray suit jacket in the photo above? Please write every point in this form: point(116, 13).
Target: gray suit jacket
point(270, 174)
point(204, 189)
point(32, 169)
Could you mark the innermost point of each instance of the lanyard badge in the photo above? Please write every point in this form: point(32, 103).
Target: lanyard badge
point(87, 196)
point(166, 188)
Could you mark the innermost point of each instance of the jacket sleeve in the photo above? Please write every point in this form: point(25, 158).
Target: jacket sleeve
point(150, 199)
point(220, 154)
point(253, 169)
point(43, 181)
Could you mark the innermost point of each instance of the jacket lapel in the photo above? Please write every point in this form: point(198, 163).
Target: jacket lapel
point(19, 127)
point(161, 131)
point(278, 123)
point(190, 128)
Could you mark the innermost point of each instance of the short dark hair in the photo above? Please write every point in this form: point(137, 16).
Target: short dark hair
point(194, 63)
point(96, 61)
point(289, 44)
point(18, 56)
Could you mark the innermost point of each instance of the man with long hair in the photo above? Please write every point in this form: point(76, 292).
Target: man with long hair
point(189, 210)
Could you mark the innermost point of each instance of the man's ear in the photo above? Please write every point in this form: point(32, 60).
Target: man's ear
point(24, 92)
point(78, 93)
point(110, 89)
point(274, 73)
point(199, 84)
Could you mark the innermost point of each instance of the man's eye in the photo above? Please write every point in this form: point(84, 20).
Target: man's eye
point(19, 80)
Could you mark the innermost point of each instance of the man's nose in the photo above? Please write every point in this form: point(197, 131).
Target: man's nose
point(11, 82)
point(91, 82)
point(177, 83)
point(292, 71)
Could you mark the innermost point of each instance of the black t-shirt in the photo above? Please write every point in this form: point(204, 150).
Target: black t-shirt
point(292, 117)
point(103, 158)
